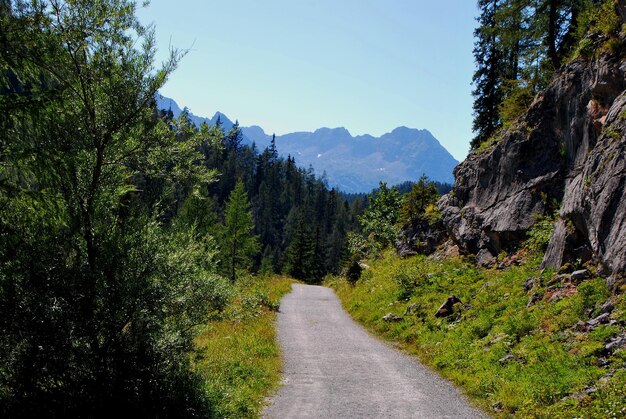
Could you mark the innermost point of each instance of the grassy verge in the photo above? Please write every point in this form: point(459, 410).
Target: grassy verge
point(241, 362)
point(509, 358)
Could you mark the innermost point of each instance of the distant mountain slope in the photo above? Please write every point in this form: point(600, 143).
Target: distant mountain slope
point(353, 164)
point(357, 164)
point(167, 104)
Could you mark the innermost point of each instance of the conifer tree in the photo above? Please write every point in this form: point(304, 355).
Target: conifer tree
point(239, 246)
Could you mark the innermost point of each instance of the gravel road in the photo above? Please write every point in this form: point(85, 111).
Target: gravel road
point(334, 369)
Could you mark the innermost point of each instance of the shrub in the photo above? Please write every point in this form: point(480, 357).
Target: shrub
point(539, 234)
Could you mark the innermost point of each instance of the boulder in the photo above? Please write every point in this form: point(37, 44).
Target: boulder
point(607, 307)
point(534, 299)
point(615, 344)
point(389, 317)
point(530, 284)
point(603, 318)
point(423, 238)
point(594, 210)
point(579, 276)
point(447, 308)
point(506, 359)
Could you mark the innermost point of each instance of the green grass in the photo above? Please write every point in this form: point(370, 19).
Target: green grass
point(241, 361)
point(551, 359)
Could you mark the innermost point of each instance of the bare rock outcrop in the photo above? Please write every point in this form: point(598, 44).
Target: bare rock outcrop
point(593, 213)
point(569, 147)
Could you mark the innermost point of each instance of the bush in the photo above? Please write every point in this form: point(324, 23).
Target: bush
point(354, 270)
point(539, 234)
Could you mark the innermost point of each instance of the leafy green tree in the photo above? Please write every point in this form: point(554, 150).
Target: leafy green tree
point(100, 298)
point(239, 245)
point(419, 205)
point(380, 217)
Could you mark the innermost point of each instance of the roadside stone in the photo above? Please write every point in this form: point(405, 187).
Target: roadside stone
point(611, 281)
point(590, 390)
point(498, 406)
point(579, 276)
point(615, 343)
point(607, 307)
point(412, 309)
point(534, 299)
point(530, 283)
point(447, 308)
point(391, 318)
point(603, 318)
point(555, 295)
point(581, 326)
point(485, 259)
point(506, 359)
point(603, 362)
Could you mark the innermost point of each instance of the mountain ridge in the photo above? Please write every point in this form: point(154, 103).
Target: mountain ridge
point(353, 164)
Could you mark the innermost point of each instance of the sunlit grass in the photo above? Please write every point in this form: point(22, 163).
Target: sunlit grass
point(550, 360)
point(241, 362)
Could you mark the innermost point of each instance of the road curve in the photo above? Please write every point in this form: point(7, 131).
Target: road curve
point(334, 369)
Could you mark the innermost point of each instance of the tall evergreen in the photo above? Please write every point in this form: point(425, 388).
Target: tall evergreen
point(239, 246)
point(488, 75)
point(519, 45)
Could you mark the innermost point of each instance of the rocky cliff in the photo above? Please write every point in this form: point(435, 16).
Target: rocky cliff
point(567, 151)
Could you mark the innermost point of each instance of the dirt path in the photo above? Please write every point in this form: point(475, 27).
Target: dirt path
point(335, 369)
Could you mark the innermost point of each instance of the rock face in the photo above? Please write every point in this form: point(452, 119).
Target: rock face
point(423, 239)
point(569, 147)
point(593, 214)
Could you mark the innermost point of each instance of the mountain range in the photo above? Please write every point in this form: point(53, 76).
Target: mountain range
point(353, 164)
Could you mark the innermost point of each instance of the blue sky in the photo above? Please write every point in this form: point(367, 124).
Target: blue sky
point(298, 65)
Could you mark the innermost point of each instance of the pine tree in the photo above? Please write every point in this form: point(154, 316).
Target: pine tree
point(488, 75)
point(238, 244)
point(99, 311)
point(300, 253)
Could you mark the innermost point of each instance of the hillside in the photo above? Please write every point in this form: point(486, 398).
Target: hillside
point(351, 164)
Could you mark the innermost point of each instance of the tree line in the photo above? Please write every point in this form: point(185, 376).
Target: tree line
point(296, 225)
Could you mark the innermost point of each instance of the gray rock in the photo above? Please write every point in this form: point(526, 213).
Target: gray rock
point(412, 308)
point(615, 343)
point(389, 317)
point(580, 275)
point(593, 205)
point(530, 284)
point(485, 259)
point(423, 239)
point(506, 359)
point(607, 307)
point(603, 318)
point(535, 298)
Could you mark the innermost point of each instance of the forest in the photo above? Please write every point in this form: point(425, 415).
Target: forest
point(142, 257)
